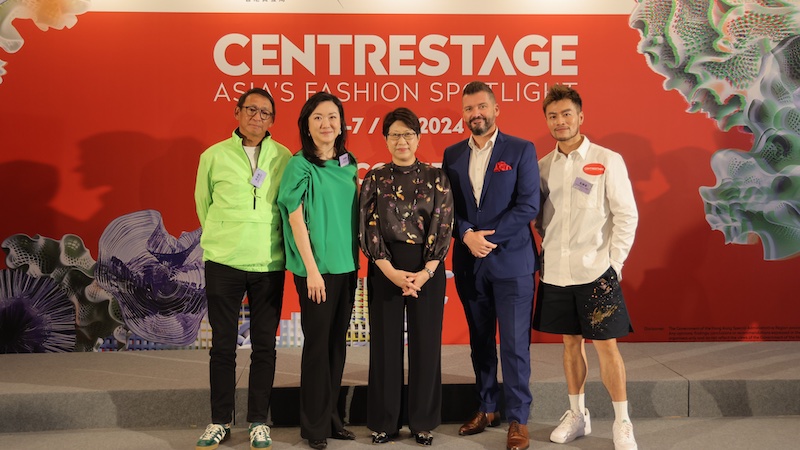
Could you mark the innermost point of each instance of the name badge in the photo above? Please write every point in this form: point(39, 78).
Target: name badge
point(582, 185)
point(344, 160)
point(258, 178)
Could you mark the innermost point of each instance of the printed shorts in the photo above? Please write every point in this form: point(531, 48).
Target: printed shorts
point(594, 310)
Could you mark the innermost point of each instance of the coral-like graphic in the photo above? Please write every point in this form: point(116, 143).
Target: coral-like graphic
point(70, 265)
point(145, 282)
point(36, 316)
point(158, 280)
point(45, 256)
point(46, 14)
point(146, 291)
point(739, 62)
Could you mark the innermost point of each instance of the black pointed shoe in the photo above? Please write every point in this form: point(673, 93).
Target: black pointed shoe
point(344, 435)
point(424, 438)
point(318, 444)
point(383, 437)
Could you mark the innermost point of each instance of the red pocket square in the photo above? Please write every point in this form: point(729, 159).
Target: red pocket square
point(501, 166)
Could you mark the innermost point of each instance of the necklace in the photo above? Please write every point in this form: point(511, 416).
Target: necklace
point(397, 196)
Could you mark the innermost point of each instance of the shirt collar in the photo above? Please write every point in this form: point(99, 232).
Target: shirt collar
point(489, 143)
point(581, 150)
point(238, 134)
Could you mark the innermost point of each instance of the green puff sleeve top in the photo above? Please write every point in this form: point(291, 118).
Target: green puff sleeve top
point(330, 209)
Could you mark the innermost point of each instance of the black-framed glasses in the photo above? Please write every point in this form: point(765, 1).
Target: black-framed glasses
point(408, 136)
point(251, 111)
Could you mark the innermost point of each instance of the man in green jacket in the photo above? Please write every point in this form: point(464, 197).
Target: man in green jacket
point(236, 199)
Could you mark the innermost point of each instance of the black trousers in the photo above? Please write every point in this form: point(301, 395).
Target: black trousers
point(324, 349)
point(424, 316)
point(225, 290)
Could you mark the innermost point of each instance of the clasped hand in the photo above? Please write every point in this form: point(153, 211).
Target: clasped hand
point(409, 282)
point(477, 243)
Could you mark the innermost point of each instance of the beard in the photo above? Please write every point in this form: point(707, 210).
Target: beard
point(481, 129)
point(566, 137)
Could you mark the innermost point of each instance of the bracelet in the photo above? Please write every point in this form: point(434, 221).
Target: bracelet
point(430, 272)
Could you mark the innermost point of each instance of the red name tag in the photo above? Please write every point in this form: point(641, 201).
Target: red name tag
point(594, 169)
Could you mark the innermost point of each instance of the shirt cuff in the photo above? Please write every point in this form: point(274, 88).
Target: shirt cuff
point(469, 230)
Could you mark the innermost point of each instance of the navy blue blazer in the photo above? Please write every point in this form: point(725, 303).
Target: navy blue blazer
point(509, 202)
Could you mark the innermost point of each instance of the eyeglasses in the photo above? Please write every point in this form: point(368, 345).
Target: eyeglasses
point(408, 136)
point(251, 111)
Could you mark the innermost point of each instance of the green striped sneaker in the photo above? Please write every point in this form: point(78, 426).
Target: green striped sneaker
point(214, 434)
point(259, 436)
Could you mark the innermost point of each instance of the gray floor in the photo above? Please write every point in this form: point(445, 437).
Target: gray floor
point(723, 395)
point(729, 433)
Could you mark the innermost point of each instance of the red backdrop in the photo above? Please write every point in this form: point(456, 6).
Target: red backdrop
point(109, 117)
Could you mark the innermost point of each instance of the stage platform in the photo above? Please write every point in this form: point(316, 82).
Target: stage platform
point(169, 388)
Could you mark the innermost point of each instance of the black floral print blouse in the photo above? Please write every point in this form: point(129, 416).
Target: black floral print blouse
point(411, 204)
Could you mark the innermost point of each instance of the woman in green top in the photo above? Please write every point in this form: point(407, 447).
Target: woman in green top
point(318, 202)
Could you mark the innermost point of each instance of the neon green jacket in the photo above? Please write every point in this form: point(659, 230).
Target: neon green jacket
point(241, 223)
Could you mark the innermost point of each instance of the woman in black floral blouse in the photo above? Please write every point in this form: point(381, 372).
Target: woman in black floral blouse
point(405, 229)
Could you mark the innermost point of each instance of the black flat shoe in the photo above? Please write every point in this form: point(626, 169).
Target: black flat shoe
point(424, 438)
point(318, 444)
point(344, 435)
point(382, 437)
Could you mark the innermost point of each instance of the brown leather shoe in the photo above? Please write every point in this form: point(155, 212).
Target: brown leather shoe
point(517, 436)
point(479, 422)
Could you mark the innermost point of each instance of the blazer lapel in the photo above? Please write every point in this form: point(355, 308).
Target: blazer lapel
point(461, 165)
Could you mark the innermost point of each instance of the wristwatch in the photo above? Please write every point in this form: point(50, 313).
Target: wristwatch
point(430, 272)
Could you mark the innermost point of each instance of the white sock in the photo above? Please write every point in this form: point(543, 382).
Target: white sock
point(621, 411)
point(576, 403)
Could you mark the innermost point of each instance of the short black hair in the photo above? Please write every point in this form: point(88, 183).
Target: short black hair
point(478, 86)
point(404, 115)
point(559, 92)
point(257, 91)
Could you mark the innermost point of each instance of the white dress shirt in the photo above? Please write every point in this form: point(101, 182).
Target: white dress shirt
point(479, 163)
point(588, 217)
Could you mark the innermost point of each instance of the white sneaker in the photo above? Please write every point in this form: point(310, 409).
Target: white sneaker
point(623, 436)
point(214, 434)
point(573, 425)
point(259, 436)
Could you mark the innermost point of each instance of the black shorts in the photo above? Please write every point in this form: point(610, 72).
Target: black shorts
point(594, 310)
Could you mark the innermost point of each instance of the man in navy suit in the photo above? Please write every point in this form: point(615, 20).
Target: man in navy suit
point(494, 178)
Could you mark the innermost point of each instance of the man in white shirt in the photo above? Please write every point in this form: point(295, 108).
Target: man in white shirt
point(587, 222)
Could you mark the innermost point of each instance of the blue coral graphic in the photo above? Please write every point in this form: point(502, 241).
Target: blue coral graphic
point(146, 284)
point(36, 316)
point(157, 279)
point(70, 265)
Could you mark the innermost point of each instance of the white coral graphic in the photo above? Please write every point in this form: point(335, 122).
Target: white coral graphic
point(46, 14)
